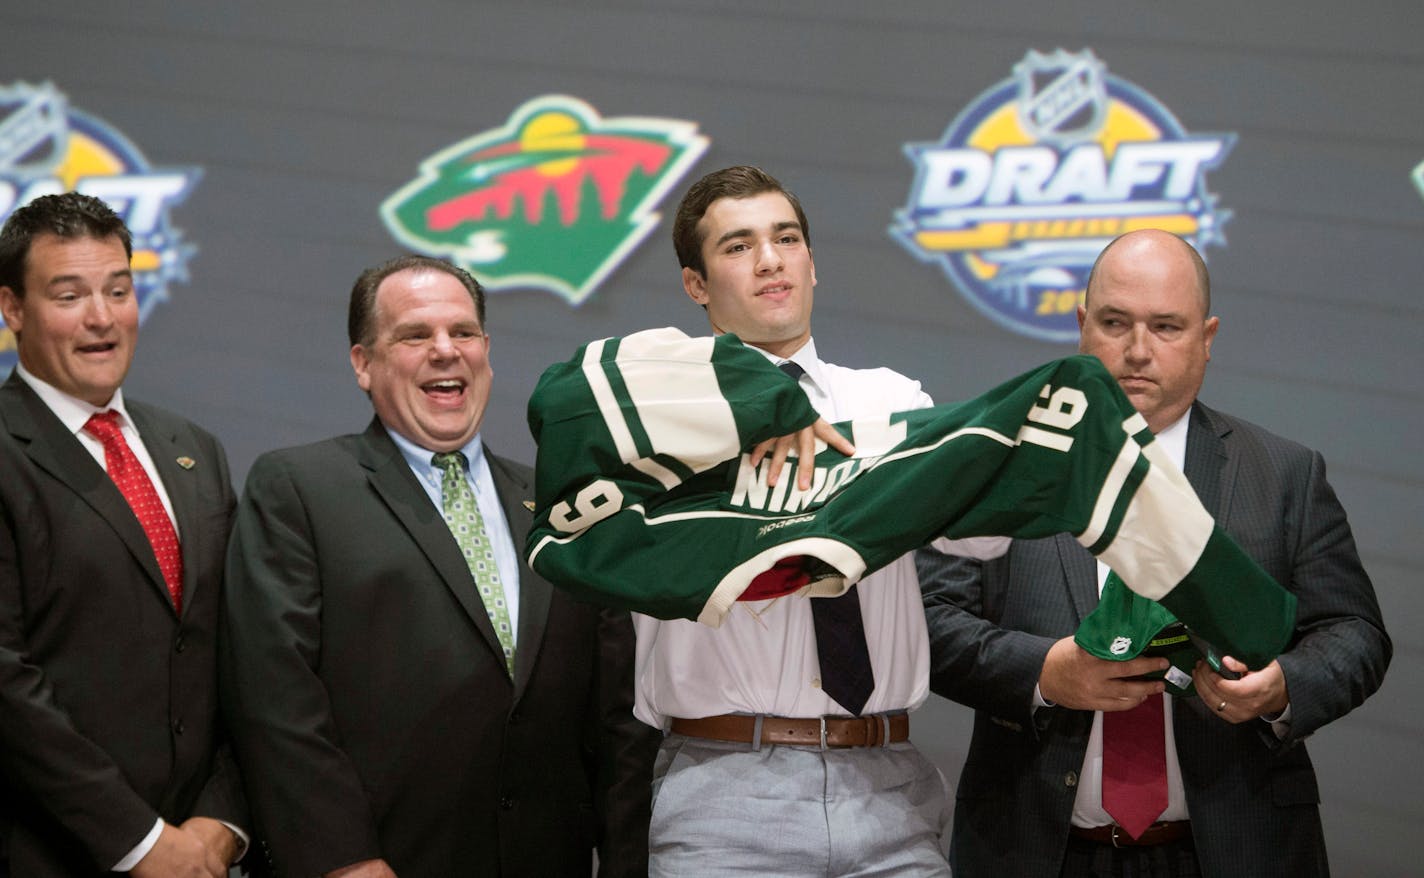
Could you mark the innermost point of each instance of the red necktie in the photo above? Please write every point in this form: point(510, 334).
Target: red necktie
point(1135, 765)
point(133, 482)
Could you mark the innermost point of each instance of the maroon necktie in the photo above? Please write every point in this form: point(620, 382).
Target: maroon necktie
point(133, 482)
point(1135, 765)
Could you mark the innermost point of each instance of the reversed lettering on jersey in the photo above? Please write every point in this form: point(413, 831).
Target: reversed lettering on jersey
point(752, 492)
point(591, 505)
point(48, 147)
point(1058, 411)
point(1041, 171)
point(1061, 409)
point(784, 522)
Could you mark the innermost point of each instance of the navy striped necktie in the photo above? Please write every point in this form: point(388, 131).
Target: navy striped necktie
point(846, 674)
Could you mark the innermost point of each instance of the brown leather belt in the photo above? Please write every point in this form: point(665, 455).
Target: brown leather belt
point(1158, 833)
point(830, 731)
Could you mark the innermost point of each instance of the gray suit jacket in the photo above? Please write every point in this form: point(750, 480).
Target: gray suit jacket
point(1253, 799)
point(108, 698)
point(369, 697)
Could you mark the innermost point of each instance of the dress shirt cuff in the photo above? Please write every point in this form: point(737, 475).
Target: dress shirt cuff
point(242, 842)
point(1039, 700)
point(141, 849)
point(1280, 724)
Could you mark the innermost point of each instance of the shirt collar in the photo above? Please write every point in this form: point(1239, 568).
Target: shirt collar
point(421, 459)
point(72, 411)
point(806, 358)
point(1174, 439)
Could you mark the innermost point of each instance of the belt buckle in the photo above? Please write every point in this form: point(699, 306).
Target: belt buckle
point(1115, 828)
point(823, 733)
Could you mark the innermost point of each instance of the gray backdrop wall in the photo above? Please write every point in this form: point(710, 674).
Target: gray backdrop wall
point(304, 117)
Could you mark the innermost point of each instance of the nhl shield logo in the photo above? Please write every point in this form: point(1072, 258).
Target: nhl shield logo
point(1038, 173)
point(33, 130)
point(48, 146)
point(555, 199)
point(1062, 96)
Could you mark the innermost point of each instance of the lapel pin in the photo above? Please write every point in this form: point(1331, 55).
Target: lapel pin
point(187, 462)
point(529, 504)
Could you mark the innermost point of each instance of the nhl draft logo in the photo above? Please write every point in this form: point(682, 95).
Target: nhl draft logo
point(48, 147)
point(555, 199)
point(1041, 171)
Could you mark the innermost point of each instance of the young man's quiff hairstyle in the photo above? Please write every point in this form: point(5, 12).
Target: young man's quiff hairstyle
point(740, 181)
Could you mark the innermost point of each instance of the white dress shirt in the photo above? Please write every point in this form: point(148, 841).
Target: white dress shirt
point(74, 413)
point(762, 660)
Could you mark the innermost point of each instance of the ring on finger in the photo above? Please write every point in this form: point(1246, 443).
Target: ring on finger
point(1220, 707)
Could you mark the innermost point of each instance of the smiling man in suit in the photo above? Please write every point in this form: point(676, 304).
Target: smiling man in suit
point(409, 700)
point(1231, 790)
point(114, 518)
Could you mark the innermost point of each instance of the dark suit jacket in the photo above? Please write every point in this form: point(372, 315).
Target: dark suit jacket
point(1253, 799)
point(369, 698)
point(108, 700)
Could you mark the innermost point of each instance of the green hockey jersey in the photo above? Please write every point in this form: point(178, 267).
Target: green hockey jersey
point(646, 498)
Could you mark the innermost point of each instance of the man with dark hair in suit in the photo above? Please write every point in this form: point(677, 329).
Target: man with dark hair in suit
point(408, 699)
point(114, 518)
point(1231, 790)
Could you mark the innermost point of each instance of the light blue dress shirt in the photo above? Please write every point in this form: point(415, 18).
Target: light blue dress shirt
point(506, 558)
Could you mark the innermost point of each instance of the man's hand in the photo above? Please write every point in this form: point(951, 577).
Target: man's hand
point(804, 441)
point(180, 853)
point(1074, 678)
point(363, 869)
point(218, 838)
point(1254, 694)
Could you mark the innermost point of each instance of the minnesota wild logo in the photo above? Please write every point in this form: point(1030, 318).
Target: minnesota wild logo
point(555, 199)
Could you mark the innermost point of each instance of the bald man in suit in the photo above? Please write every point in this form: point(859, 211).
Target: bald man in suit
point(1241, 794)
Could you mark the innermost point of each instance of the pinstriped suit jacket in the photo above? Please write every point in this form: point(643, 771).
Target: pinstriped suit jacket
point(1253, 799)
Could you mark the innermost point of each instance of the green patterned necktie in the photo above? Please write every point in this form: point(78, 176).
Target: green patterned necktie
point(462, 514)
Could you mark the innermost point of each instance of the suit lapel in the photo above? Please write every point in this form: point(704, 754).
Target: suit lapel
point(1209, 469)
point(1080, 569)
point(391, 478)
point(534, 592)
point(55, 450)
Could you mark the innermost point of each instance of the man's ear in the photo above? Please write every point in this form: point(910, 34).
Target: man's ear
point(360, 364)
point(695, 285)
point(12, 307)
